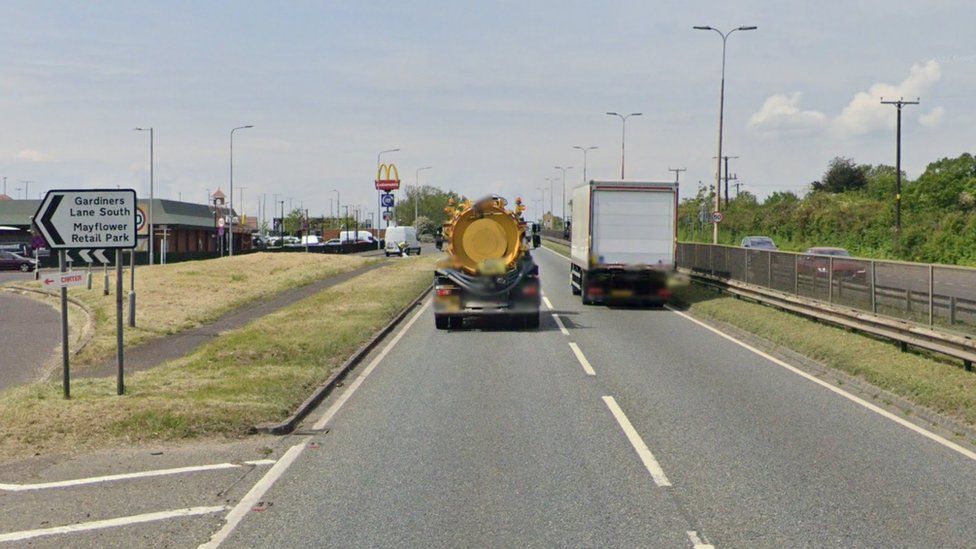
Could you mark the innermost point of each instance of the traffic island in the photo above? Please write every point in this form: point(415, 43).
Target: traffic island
point(256, 374)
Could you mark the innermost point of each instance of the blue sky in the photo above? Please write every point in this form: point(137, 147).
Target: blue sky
point(492, 95)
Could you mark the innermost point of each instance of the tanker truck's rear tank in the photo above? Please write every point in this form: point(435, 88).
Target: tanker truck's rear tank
point(488, 271)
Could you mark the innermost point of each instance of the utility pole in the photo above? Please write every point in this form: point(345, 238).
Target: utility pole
point(725, 159)
point(26, 188)
point(677, 172)
point(737, 185)
point(898, 105)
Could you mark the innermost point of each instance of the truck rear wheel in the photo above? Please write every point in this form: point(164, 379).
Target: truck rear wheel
point(583, 281)
point(442, 322)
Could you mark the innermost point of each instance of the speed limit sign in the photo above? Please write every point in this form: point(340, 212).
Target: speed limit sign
point(717, 217)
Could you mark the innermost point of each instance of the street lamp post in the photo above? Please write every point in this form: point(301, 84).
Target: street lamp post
point(563, 169)
point(230, 248)
point(623, 135)
point(542, 204)
point(149, 222)
point(552, 208)
point(721, 113)
point(585, 150)
point(416, 196)
point(338, 208)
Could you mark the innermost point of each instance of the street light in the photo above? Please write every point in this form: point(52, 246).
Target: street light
point(416, 198)
point(230, 248)
point(564, 190)
point(542, 204)
point(149, 223)
point(338, 208)
point(552, 209)
point(623, 135)
point(585, 150)
point(721, 113)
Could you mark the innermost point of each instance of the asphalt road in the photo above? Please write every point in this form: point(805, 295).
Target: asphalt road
point(29, 333)
point(501, 438)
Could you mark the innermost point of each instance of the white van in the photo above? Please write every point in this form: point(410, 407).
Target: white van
point(401, 238)
point(361, 235)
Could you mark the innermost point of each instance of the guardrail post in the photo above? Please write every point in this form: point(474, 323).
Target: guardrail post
point(769, 269)
point(874, 299)
point(796, 274)
point(746, 272)
point(952, 310)
point(931, 283)
point(908, 300)
point(830, 279)
point(967, 365)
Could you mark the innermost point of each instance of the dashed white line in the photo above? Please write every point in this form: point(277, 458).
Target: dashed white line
point(880, 411)
point(110, 523)
point(697, 542)
point(547, 302)
point(582, 359)
point(128, 476)
point(559, 322)
point(650, 462)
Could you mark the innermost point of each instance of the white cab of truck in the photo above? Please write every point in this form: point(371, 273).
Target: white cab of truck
point(623, 241)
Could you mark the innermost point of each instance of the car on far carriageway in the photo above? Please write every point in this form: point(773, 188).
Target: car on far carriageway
point(819, 260)
point(758, 242)
point(11, 260)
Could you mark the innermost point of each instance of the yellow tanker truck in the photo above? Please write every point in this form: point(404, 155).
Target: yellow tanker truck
point(488, 271)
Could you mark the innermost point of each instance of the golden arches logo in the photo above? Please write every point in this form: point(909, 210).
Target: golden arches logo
point(387, 177)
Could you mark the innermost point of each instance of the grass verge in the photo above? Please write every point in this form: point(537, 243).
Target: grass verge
point(556, 247)
point(258, 373)
point(176, 297)
point(933, 382)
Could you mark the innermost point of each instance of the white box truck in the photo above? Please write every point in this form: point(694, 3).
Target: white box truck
point(623, 241)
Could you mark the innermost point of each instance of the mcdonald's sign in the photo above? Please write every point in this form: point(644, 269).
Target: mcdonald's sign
point(387, 178)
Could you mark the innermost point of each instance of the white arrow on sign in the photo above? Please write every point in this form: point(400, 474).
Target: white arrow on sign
point(78, 219)
point(86, 256)
point(64, 280)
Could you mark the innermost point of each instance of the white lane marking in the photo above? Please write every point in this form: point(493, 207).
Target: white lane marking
point(254, 494)
point(582, 359)
point(327, 416)
point(110, 523)
point(857, 400)
point(697, 542)
point(559, 322)
point(127, 476)
point(555, 252)
point(547, 302)
point(258, 490)
point(638, 443)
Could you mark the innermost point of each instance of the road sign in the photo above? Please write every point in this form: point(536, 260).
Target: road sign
point(140, 219)
point(386, 200)
point(77, 219)
point(63, 280)
point(387, 215)
point(717, 217)
point(98, 255)
point(37, 242)
point(220, 223)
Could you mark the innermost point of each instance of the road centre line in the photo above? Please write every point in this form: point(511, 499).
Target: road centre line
point(327, 416)
point(559, 322)
point(697, 542)
point(111, 523)
point(650, 462)
point(582, 359)
point(857, 400)
point(547, 302)
point(128, 476)
point(258, 490)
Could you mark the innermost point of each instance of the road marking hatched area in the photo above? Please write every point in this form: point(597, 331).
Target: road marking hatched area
point(111, 523)
point(129, 476)
point(582, 359)
point(857, 400)
point(650, 462)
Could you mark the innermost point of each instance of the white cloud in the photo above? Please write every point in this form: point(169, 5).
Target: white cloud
point(33, 156)
point(780, 114)
point(932, 118)
point(865, 113)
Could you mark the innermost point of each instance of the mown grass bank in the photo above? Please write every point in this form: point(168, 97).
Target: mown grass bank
point(172, 298)
point(940, 385)
point(258, 373)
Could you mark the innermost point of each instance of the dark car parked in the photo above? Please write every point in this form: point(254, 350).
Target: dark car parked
point(759, 243)
point(10, 260)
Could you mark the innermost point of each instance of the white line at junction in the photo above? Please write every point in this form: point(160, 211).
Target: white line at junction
point(650, 462)
point(110, 523)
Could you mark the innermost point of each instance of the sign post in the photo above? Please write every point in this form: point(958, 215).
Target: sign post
point(82, 220)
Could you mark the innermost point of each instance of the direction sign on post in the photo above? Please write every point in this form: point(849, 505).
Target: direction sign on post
point(63, 280)
point(99, 218)
point(386, 200)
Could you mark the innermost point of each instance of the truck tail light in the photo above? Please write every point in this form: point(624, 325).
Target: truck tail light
point(530, 290)
point(442, 291)
point(664, 293)
point(594, 291)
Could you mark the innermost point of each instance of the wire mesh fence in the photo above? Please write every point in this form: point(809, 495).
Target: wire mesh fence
point(941, 296)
